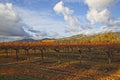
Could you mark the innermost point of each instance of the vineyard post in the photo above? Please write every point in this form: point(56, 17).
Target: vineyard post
point(89, 53)
point(6, 51)
point(17, 52)
point(58, 55)
point(80, 56)
point(109, 55)
point(67, 51)
point(34, 50)
point(10, 51)
point(43, 51)
point(42, 57)
point(70, 49)
point(27, 52)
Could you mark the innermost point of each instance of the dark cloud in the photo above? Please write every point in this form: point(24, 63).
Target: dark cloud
point(10, 22)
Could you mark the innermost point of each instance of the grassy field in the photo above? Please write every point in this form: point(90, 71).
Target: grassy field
point(63, 68)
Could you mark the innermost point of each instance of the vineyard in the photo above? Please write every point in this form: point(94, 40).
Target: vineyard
point(65, 61)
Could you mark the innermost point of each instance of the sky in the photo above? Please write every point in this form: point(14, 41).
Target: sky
point(40, 19)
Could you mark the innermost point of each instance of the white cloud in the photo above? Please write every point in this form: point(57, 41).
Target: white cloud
point(95, 16)
point(17, 21)
point(72, 21)
point(60, 8)
point(9, 38)
point(10, 22)
point(99, 13)
point(98, 4)
point(41, 25)
point(98, 10)
point(114, 25)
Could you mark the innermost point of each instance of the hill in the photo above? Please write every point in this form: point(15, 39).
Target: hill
point(101, 37)
point(25, 40)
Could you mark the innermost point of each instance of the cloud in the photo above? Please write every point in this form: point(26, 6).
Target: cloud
point(10, 23)
point(41, 24)
point(99, 13)
point(98, 4)
point(23, 22)
point(98, 10)
point(95, 16)
point(72, 21)
point(15, 21)
point(112, 26)
point(9, 38)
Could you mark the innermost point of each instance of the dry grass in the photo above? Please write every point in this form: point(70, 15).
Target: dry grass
point(72, 70)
